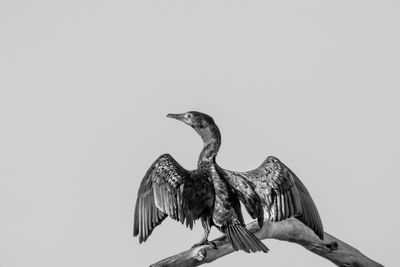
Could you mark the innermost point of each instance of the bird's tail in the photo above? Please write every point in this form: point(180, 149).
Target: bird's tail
point(242, 239)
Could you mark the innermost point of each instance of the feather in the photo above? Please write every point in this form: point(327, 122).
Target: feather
point(290, 204)
point(281, 192)
point(279, 207)
point(159, 195)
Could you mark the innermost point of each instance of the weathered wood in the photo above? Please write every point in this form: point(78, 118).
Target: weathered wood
point(291, 230)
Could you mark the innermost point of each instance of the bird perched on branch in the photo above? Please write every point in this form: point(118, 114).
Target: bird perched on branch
point(212, 194)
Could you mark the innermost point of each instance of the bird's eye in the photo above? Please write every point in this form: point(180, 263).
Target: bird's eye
point(188, 116)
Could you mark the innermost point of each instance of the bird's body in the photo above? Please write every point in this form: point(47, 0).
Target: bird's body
point(199, 195)
point(213, 194)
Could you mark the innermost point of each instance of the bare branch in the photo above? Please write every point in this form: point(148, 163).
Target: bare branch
point(290, 230)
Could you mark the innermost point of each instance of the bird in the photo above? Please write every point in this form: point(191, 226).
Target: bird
point(213, 194)
point(168, 189)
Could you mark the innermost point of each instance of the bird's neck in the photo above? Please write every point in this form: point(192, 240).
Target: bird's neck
point(212, 141)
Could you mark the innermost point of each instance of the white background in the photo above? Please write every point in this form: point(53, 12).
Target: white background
point(85, 87)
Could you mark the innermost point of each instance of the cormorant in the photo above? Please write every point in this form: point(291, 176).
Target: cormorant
point(212, 193)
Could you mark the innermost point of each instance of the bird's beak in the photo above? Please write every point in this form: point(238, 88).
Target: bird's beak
point(179, 117)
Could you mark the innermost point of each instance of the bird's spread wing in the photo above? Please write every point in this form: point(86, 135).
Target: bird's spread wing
point(282, 193)
point(159, 195)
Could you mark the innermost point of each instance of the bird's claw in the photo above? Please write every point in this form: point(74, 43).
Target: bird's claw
point(208, 243)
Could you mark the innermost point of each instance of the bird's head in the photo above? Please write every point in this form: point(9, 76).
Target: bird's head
point(195, 119)
point(202, 123)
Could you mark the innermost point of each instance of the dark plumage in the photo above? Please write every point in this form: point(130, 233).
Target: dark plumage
point(283, 195)
point(212, 194)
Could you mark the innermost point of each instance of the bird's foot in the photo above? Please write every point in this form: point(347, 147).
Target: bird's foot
point(203, 243)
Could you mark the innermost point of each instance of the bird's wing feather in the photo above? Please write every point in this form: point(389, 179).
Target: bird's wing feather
point(243, 189)
point(309, 215)
point(160, 194)
point(283, 194)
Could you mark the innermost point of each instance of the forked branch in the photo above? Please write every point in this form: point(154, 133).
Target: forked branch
point(290, 230)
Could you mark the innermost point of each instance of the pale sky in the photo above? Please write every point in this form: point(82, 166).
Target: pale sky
point(85, 87)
